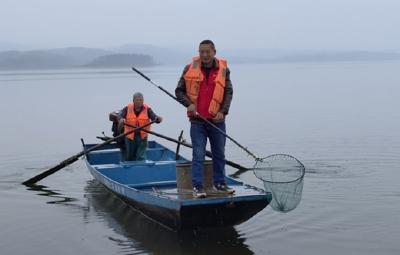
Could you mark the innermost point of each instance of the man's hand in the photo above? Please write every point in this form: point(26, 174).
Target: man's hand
point(158, 119)
point(113, 116)
point(219, 116)
point(192, 109)
point(121, 123)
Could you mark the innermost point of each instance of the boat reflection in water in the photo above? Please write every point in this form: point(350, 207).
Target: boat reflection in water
point(141, 234)
point(148, 236)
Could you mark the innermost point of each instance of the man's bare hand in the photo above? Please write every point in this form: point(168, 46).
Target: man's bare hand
point(192, 109)
point(121, 123)
point(219, 116)
point(158, 119)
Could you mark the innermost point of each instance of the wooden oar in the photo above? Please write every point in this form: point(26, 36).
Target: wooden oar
point(208, 153)
point(74, 158)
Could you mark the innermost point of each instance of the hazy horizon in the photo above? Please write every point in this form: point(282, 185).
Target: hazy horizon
point(314, 79)
point(285, 25)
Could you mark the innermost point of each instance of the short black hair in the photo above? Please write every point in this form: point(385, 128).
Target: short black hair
point(208, 42)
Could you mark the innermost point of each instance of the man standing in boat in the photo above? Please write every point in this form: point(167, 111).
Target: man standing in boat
point(205, 89)
point(136, 114)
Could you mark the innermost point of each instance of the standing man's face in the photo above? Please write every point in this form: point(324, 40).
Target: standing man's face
point(138, 102)
point(207, 53)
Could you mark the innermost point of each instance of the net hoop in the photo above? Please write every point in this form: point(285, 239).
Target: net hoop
point(303, 169)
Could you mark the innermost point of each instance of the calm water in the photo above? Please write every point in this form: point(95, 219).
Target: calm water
point(342, 120)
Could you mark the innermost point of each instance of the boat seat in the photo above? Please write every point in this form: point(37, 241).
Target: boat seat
point(104, 157)
point(131, 172)
point(157, 154)
point(152, 184)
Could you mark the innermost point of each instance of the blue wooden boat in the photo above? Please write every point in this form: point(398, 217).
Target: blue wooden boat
point(150, 186)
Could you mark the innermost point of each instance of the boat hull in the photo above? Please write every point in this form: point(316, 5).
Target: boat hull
point(170, 208)
point(200, 216)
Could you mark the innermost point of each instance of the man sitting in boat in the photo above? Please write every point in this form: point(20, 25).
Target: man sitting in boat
point(136, 114)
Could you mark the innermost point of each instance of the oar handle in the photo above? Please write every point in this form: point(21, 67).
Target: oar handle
point(117, 137)
point(178, 145)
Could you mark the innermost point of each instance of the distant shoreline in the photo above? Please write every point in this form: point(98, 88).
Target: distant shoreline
point(178, 68)
point(71, 58)
point(152, 56)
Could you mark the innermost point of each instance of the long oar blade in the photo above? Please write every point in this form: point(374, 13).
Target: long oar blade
point(52, 170)
point(74, 158)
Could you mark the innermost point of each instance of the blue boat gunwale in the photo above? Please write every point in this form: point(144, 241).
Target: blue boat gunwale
point(140, 188)
point(151, 188)
point(152, 194)
point(137, 194)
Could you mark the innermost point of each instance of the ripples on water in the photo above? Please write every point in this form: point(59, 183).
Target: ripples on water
point(349, 145)
point(83, 208)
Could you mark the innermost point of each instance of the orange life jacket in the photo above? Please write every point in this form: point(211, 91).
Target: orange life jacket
point(194, 77)
point(137, 121)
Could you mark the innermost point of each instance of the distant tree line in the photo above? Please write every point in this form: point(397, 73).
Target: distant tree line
point(70, 58)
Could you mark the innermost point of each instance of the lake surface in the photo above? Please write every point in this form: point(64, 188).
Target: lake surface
point(342, 120)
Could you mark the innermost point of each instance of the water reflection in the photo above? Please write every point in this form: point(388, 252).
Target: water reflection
point(152, 237)
point(135, 233)
point(45, 191)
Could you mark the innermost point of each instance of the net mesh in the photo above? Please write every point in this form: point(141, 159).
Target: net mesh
point(283, 177)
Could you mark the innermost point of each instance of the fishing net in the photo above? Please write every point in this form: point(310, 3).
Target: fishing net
point(283, 177)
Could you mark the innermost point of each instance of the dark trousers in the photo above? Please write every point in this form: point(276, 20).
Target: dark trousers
point(135, 149)
point(199, 132)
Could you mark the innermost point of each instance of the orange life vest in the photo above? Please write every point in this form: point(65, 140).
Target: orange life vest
point(137, 121)
point(193, 78)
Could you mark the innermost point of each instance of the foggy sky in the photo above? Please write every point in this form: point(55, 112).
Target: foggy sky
point(283, 24)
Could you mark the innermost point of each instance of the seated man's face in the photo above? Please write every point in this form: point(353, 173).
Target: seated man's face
point(138, 101)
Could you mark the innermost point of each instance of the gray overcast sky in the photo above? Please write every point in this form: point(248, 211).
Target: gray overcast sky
point(281, 24)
